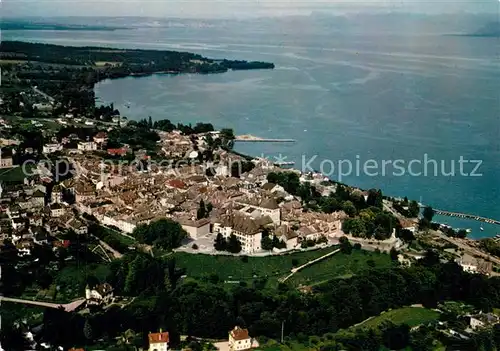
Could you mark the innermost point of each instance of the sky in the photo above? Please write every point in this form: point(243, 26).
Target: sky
point(232, 8)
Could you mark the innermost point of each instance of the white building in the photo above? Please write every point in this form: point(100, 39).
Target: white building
point(123, 225)
point(100, 294)
point(468, 264)
point(196, 229)
point(247, 230)
point(87, 146)
point(56, 210)
point(51, 148)
point(239, 339)
point(158, 341)
point(267, 207)
point(483, 320)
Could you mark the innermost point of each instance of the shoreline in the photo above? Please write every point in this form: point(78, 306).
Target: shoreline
point(292, 169)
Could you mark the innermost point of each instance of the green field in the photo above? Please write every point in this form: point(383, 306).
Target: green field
point(275, 267)
point(15, 174)
point(340, 266)
point(235, 269)
point(412, 316)
point(72, 279)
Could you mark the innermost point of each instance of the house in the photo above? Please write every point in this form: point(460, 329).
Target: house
point(87, 146)
point(158, 341)
point(78, 226)
point(84, 191)
point(5, 159)
point(51, 148)
point(239, 339)
point(100, 138)
point(118, 152)
point(38, 198)
point(41, 238)
point(309, 233)
point(56, 195)
point(196, 229)
point(56, 210)
point(482, 320)
point(36, 220)
point(177, 184)
point(468, 264)
point(98, 295)
point(288, 236)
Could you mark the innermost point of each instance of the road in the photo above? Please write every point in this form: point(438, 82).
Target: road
point(462, 243)
point(115, 253)
point(67, 307)
point(296, 269)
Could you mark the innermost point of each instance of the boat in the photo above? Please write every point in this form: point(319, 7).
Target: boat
point(481, 228)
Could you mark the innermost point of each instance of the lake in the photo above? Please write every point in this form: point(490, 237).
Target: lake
point(359, 98)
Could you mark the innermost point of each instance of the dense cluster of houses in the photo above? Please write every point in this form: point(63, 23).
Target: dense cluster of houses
point(30, 215)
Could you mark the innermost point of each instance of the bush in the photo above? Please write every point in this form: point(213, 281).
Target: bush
point(194, 247)
point(244, 259)
point(295, 262)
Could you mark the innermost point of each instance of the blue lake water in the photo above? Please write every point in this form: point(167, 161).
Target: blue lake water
point(357, 97)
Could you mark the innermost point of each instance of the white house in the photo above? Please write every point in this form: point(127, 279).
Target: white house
point(483, 320)
point(468, 264)
point(51, 148)
point(87, 146)
point(123, 225)
point(196, 229)
point(100, 294)
point(158, 341)
point(56, 210)
point(239, 339)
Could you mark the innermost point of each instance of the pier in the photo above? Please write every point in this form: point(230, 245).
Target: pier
point(467, 216)
point(255, 139)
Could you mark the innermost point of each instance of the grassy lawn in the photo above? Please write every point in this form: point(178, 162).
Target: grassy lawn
point(340, 266)
point(412, 316)
point(15, 174)
point(72, 280)
point(236, 269)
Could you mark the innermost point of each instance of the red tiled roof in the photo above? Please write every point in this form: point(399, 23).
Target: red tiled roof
point(121, 151)
point(155, 338)
point(62, 243)
point(177, 183)
point(101, 135)
point(239, 334)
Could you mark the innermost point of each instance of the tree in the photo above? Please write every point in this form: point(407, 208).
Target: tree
point(394, 254)
point(375, 198)
point(354, 226)
point(349, 208)
point(428, 213)
point(233, 244)
point(413, 209)
point(201, 213)
point(164, 233)
point(266, 243)
point(345, 245)
point(220, 243)
point(87, 330)
point(209, 209)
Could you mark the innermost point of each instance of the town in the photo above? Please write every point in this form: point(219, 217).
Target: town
point(147, 234)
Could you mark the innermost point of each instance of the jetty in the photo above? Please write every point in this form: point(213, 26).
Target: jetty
point(467, 216)
point(256, 139)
